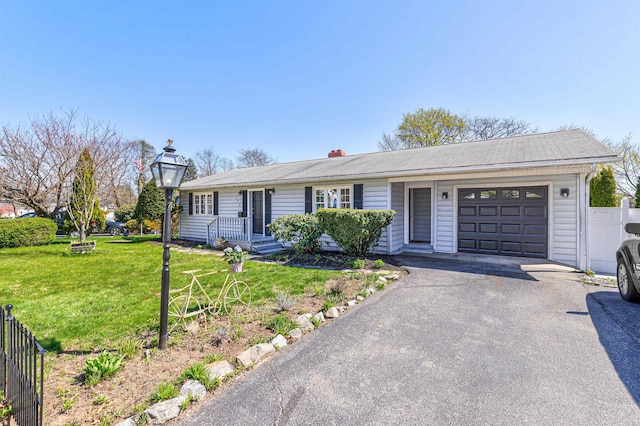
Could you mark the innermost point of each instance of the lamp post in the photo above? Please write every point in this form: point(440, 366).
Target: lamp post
point(168, 169)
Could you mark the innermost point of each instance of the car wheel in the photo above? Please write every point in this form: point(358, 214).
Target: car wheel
point(74, 234)
point(115, 231)
point(625, 284)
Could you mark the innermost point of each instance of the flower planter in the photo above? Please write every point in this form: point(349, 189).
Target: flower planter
point(85, 247)
point(236, 267)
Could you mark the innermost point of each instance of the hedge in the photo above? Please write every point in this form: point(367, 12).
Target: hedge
point(301, 230)
point(27, 232)
point(355, 231)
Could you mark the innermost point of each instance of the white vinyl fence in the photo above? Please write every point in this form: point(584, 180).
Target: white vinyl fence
point(606, 233)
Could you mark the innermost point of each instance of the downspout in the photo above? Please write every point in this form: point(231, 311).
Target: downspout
point(587, 188)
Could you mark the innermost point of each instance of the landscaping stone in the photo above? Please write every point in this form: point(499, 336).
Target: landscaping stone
point(128, 422)
point(192, 327)
point(304, 324)
point(219, 369)
point(307, 316)
point(255, 354)
point(341, 309)
point(319, 316)
point(393, 277)
point(296, 333)
point(279, 341)
point(370, 290)
point(193, 388)
point(382, 280)
point(351, 303)
point(332, 313)
point(164, 411)
point(359, 298)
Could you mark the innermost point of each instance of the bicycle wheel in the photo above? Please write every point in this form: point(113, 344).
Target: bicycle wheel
point(180, 308)
point(237, 297)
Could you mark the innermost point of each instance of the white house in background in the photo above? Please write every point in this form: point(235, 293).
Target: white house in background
point(518, 196)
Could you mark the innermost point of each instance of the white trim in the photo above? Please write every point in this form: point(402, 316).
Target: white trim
point(407, 220)
point(434, 230)
point(390, 227)
point(488, 184)
point(326, 198)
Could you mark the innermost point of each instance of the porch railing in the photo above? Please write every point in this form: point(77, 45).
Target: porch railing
point(21, 370)
point(228, 227)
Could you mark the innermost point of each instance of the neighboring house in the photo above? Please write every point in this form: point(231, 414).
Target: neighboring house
point(519, 196)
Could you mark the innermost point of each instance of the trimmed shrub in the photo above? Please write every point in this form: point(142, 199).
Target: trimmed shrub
point(355, 231)
point(301, 230)
point(37, 231)
point(125, 213)
point(132, 225)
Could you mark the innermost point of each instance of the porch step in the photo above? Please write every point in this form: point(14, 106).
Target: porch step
point(265, 247)
point(418, 248)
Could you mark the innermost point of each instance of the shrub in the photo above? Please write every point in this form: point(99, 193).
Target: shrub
point(100, 367)
point(35, 231)
point(378, 263)
point(125, 213)
point(301, 230)
point(356, 263)
point(132, 225)
point(355, 231)
point(285, 302)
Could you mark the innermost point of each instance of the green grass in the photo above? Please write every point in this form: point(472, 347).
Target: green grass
point(86, 302)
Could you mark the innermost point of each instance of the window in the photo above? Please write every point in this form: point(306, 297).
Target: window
point(510, 193)
point(488, 194)
point(333, 198)
point(203, 204)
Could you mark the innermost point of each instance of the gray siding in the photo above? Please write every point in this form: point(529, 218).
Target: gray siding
point(443, 237)
point(397, 226)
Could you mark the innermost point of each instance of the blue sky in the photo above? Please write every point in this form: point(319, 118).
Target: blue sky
point(299, 78)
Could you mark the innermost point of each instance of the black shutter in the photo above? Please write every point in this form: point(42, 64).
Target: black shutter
point(215, 203)
point(358, 195)
point(244, 203)
point(308, 200)
point(190, 203)
point(267, 211)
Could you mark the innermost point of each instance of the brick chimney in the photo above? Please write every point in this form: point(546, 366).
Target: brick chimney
point(337, 153)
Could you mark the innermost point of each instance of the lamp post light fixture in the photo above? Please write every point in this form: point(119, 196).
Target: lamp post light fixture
point(168, 169)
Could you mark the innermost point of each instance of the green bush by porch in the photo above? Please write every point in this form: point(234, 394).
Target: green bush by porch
point(355, 231)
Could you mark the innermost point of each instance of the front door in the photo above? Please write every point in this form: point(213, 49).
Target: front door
point(420, 215)
point(257, 212)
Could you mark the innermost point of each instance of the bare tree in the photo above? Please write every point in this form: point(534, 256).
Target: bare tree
point(37, 162)
point(626, 172)
point(389, 143)
point(208, 162)
point(483, 128)
point(254, 157)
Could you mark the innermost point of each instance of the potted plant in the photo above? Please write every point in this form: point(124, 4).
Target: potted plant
point(235, 257)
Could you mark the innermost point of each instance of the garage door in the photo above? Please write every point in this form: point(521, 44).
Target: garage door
point(509, 221)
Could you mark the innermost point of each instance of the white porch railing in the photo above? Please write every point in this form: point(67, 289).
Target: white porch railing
point(228, 227)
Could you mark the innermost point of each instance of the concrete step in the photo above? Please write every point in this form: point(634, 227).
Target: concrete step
point(266, 247)
point(418, 248)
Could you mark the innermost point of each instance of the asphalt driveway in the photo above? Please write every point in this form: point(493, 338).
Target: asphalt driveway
point(458, 342)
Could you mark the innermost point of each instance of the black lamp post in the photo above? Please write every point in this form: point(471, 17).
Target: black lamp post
point(168, 170)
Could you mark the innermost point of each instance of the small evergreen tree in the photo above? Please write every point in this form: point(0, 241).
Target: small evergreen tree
point(150, 203)
point(638, 194)
point(603, 189)
point(83, 199)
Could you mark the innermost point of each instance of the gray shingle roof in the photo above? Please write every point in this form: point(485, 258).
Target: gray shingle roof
point(555, 148)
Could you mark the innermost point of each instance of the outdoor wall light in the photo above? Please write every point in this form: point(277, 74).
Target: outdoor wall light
point(564, 192)
point(168, 170)
point(271, 191)
point(445, 195)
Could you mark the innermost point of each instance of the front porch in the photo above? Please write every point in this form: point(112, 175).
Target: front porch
point(237, 231)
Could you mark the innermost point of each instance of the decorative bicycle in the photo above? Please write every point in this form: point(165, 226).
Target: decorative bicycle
point(187, 302)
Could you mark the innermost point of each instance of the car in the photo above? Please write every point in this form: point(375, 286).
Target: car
point(628, 271)
point(27, 215)
point(116, 228)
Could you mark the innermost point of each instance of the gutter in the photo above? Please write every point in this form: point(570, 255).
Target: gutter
point(587, 189)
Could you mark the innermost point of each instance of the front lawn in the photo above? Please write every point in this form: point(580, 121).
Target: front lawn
point(86, 302)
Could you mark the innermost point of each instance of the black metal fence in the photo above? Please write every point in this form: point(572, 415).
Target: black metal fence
point(21, 370)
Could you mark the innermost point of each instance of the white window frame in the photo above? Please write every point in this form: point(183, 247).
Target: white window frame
point(326, 198)
point(203, 204)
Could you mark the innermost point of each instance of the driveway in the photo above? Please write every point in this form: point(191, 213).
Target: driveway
point(458, 342)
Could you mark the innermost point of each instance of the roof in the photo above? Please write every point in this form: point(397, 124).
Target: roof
point(567, 147)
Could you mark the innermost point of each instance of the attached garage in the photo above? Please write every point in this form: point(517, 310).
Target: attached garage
point(509, 221)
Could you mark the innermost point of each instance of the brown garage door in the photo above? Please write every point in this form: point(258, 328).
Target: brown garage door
point(509, 221)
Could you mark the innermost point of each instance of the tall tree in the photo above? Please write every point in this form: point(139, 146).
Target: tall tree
point(483, 128)
point(435, 126)
point(603, 188)
point(254, 157)
point(150, 203)
point(209, 162)
point(83, 194)
point(627, 172)
point(192, 171)
point(37, 162)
